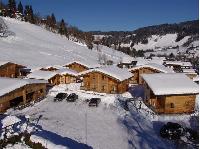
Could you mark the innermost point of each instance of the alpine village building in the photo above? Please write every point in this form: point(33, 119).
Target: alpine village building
point(147, 69)
point(81, 66)
point(53, 78)
point(110, 79)
point(170, 93)
point(15, 91)
point(67, 75)
point(11, 70)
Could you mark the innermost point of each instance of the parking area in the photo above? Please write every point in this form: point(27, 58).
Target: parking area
point(78, 121)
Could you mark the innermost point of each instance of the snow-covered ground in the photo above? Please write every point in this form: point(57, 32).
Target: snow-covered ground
point(34, 47)
point(107, 126)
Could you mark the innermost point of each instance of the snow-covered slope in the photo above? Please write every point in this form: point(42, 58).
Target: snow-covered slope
point(34, 47)
point(160, 42)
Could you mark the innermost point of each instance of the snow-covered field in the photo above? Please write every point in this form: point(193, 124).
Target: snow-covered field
point(34, 47)
point(108, 126)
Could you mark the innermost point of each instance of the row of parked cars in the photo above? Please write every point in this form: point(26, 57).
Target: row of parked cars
point(73, 97)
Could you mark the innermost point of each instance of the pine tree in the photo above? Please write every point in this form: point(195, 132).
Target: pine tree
point(11, 8)
point(53, 21)
point(20, 8)
point(62, 28)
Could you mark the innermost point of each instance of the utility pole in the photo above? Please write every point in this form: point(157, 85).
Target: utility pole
point(86, 127)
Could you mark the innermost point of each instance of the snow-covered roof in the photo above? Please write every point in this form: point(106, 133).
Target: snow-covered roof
point(184, 64)
point(154, 66)
point(54, 66)
point(191, 71)
point(141, 61)
point(42, 75)
point(112, 71)
point(187, 64)
point(9, 84)
point(170, 84)
point(3, 62)
point(86, 63)
point(157, 60)
point(67, 71)
point(128, 59)
point(173, 63)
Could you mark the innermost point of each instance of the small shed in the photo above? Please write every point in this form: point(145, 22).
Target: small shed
point(170, 93)
point(110, 79)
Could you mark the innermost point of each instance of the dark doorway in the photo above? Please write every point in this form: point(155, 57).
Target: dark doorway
point(15, 102)
point(29, 97)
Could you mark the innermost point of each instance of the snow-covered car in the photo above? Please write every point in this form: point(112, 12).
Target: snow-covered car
point(72, 97)
point(60, 96)
point(172, 131)
point(94, 102)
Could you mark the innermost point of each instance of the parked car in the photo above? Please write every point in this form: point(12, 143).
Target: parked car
point(192, 135)
point(172, 131)
point(72, 97)
point(94, 102)
point(60, 96)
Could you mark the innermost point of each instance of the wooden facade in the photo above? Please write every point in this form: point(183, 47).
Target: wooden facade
point(137, 79)
point(169, 104)
point(191, 75)
point(102, 83)
point(55, 80)
point(66, 79)
point(22, 95)
point(10, 70)
point(77, 67)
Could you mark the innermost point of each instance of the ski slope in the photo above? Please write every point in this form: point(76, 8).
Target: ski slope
point(36, 47)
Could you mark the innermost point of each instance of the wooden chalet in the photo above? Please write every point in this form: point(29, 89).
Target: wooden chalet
point(147, 69)
point(11, 70)
point(52, 77)
point(14, 92)
point(67, 75)
point(106, 80)
point(51, 68)
point(81, 66)
point(170, 93)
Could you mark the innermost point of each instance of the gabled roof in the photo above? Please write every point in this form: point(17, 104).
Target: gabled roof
point(180, 63)
point(67, 71)
point(3, 62)
point(170, 84)
point(9, 84)
point(112, 71)
point(6, 62)
point(173, 63)
point(86, 63)
point(161, 68)
point(42, 75)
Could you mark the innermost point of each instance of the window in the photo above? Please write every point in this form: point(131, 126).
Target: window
point(172, 105)
point(114, 88)
point(103, 77)
point(103, 88)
